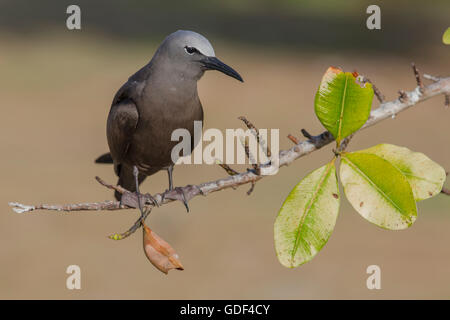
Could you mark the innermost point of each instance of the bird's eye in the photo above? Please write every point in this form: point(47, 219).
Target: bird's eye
point(190, 50)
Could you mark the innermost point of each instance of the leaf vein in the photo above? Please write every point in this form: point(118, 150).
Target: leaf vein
point(362, 174)
point(307, 211)
point(341, 116)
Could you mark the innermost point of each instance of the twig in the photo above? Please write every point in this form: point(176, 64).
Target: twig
point(255, 132)
point(386, 110)
point(376, 91)
point(117, 188)
point(250, 126)
point(403, 96)
point(250, 157)
point(435, 79)
point(344, 144)
point(227, 168)
point(319, 139)
point(134, 227)
point(249, 192)
point(432, 78)
point(307, 135)
point(417, 75)
point(293, 139)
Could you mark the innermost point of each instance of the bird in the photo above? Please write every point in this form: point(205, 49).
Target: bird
point(156, 100)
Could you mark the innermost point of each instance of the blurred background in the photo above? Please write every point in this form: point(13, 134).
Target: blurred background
point(56, 87)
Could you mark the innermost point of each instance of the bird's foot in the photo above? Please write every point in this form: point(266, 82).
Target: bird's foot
point(177, 193)
point(132, 199)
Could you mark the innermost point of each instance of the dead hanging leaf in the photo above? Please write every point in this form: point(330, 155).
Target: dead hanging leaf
point(159, 252)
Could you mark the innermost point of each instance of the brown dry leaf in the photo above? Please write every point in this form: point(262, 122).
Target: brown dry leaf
point(159, 252)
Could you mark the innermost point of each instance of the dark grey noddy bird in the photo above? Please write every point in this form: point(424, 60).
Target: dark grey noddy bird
point(159, 98)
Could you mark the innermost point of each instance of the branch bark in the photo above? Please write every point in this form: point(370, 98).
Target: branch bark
point(440, 86)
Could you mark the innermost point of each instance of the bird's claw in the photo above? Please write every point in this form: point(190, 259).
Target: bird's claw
point(130, 199)
point(149, 197)
point(176, 193)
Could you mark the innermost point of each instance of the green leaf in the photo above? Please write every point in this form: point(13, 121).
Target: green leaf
point(307, 217)
point(378, 190)
point(425, 176)
point(342, 104)
point(446, 36)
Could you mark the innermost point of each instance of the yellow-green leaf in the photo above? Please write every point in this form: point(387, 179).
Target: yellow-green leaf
point(342, 103)
point(446, 36)
point(425, 176)
point(307, 217)
point(378, 190)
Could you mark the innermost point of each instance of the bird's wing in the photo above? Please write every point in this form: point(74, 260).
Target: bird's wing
point(122, 122)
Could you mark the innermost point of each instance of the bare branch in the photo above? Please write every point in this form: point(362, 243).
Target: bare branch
point(432, 78)
point(250, 156)
point(402, 96)
point(344, 143)
point(377, 91)
point(227, 168)
point(95, 206)
point(134, 227)
point(117, 188)
point(293, 139)
point(307, 135)
point(436, 79)
point(417, 75)
point(303, 148)
point(255, 132)
point(249, 192)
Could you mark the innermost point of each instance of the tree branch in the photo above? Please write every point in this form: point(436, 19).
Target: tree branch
point(440, 86)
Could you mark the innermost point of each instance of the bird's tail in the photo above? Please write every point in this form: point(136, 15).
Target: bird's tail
point(105, 158)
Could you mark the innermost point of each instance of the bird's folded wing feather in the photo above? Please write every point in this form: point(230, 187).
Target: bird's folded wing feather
point(122, 122)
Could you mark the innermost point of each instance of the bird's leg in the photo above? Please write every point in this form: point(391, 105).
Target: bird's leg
point(138, 193)
point(136, 199)
point(179, 193)
point(170, 172)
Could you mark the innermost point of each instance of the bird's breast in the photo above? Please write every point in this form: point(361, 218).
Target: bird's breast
point(159, 116)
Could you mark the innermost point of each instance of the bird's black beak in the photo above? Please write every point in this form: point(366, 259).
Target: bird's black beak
point(212, 63)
